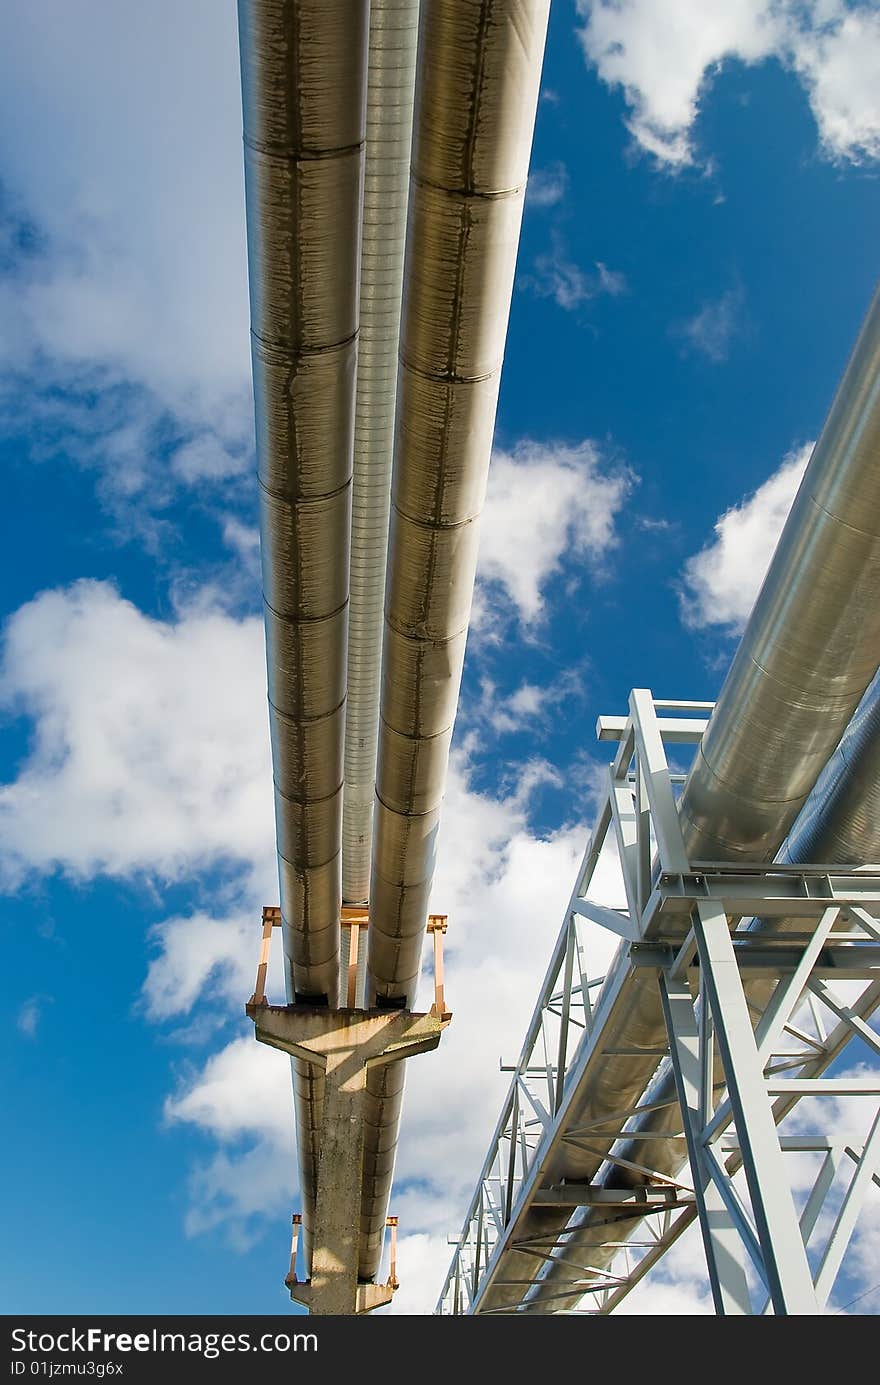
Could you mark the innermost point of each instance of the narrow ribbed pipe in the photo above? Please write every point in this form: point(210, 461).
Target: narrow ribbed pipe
point(390, 90)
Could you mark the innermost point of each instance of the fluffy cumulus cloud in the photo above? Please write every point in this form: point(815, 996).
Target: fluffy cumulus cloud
point(242, 1097)
point(199, 955)
point(720, 583)
point(679, 1287)
point(545, 502)
point(237, 1093)
point(664, 58)
point(531, 706)
point(137, 763)
point(125, 270)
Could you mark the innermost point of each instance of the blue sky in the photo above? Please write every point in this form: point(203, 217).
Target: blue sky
point(698, 249)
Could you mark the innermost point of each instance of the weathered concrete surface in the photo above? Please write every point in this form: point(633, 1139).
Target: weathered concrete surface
point(369, 1296)
point(344, 1044)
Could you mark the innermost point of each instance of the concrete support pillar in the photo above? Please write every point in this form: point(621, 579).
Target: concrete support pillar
point(334, 1286)
point(344, 1044)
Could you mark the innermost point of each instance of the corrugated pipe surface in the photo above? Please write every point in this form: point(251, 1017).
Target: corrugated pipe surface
point(810, 649)
point(304, 83)
point(391, 80)
point(812, 641)
point(479, 68)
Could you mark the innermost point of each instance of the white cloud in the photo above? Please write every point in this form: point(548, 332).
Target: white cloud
point(848, 1119)
point(720, 583)
point(121, 159)
point(150, 749)
point(546, 503)
point(531, 704)
point(243, 1098)
point(666, 56)
point(838, 60)
point(142, 218)
point(30, 1013)
point(244, 1192)
point(243, 1089)
point(419, 1257)
point(244, 541)
point(557, 276)
point(677, 1287)
point(203, 459)
point(711, 330)
point(198, 949)
point(547, 186)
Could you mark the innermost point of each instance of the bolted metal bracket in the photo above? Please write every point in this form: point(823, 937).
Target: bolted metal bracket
point(354, 918)
point(271, 919)
point(369, 1295)
point(437, 929)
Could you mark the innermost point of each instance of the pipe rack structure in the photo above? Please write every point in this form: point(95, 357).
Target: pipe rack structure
point(391, 75)
point(362, 708)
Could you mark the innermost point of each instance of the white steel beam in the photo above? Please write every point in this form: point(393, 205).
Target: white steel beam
point(727, 1279)
point(785, 1260)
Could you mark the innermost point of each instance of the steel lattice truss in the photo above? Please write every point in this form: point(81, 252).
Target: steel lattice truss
point(763, 978)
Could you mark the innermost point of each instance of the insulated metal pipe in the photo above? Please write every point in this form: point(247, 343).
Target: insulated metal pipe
point(479, 69)
point(810, 649)
point(303, 68)
point(812, 642)
point(478, 74)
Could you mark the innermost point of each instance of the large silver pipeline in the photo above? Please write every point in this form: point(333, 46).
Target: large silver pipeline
point(811, 647)
point(478, 73)
point(812, 641)
point(479, 69)
point(390, 90)
point(303, 68)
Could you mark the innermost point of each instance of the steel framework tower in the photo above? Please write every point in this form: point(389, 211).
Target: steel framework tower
point(577, 1199)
